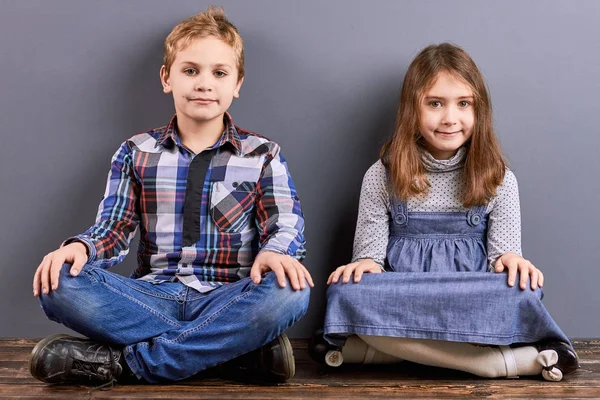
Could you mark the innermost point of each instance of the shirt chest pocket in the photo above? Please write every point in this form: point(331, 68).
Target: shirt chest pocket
point(232, 204)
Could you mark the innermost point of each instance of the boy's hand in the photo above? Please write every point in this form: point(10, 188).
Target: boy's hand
point(358, 268)
point(282, 265)
point(46, 275)
point(513, 263)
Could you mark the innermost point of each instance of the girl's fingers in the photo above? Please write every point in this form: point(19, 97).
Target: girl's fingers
point(499, 266)
point(534, 275)
point(512, 267)
point(335, 276)
point(348, 272)
point(358, 273)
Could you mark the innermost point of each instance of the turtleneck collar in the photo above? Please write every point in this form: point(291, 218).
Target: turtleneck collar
point(455, 162)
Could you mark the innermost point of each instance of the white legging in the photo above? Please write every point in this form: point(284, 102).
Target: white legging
point(481, 360)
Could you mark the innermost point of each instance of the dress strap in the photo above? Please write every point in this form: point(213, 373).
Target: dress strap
point(400, 212)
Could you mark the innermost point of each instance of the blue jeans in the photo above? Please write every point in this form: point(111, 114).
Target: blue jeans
point(170, 331)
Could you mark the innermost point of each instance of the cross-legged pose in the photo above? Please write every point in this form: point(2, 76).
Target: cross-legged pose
point(221, 240)
point(437, 275)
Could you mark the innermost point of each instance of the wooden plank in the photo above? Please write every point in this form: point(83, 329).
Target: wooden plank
point(404, 380)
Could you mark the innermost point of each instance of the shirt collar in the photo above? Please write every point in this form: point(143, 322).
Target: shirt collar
point(434, 165)
point(230, 135)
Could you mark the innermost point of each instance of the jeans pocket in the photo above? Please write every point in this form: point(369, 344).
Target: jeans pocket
point(232, 204)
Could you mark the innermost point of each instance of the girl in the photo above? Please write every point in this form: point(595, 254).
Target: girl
point(436, 211)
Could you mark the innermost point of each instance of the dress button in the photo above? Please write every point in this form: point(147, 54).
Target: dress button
point(475, 219)
point(400, 219)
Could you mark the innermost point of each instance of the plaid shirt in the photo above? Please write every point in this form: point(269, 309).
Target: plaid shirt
point(202, 218)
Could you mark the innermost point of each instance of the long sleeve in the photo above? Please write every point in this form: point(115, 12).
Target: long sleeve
point(117, 219)
point(372, 226)
point(504, 229)
point(279, 218)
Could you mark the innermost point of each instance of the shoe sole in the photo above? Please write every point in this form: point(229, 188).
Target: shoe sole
point(288, 355)
point(35, 353)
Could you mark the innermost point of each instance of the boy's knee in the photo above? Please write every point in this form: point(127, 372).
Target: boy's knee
point(65, 296)
point(292, 302)
point(284, 306)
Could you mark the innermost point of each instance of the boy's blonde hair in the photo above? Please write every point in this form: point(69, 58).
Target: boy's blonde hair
point(212, 22)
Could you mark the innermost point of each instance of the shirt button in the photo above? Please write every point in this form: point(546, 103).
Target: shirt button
point(296, 198)
point(235, 184)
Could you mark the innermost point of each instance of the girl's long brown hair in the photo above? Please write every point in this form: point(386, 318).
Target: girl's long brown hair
point(484, 164)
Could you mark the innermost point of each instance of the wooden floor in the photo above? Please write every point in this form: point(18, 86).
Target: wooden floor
point(404, 380)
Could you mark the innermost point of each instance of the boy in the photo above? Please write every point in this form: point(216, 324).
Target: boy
point(221, 234)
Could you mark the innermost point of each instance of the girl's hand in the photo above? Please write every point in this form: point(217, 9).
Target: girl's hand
point(513, 263)
point(356, 268)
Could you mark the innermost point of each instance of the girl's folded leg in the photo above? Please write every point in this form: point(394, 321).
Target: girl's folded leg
point(485, 361)
point(356, 351)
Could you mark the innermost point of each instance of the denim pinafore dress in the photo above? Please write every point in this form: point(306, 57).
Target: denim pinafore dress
point(437, 286)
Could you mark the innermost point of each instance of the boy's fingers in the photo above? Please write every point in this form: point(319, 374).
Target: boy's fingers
point(280, 273)
point(309, 278)
point(255, 273)
point(303, 274)
point(78, 264)
point(299, 272)
point(57, 264)
point(37, 280)
point(45, 274)
point(292, 274)
point(540, 279)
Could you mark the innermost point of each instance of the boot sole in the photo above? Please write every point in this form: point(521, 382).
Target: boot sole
point(288, 355)
point(35, 353)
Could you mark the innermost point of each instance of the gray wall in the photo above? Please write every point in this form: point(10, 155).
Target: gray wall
point(323, 77)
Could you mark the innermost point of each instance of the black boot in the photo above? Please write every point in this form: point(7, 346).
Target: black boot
point(271, 364)
point(568, 362)
point(321, 351)
point(68, 359)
